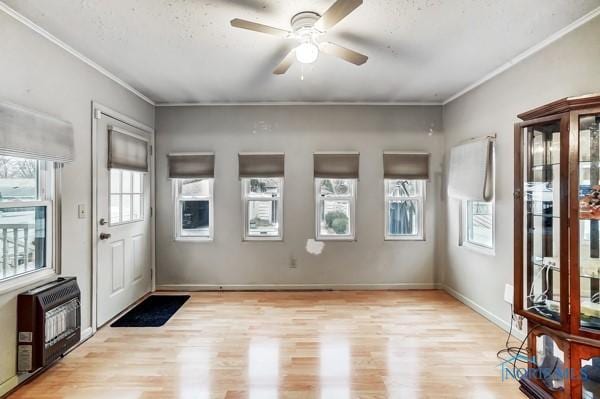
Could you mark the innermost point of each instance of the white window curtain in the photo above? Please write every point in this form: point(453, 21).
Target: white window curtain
point(406, 165)
point(336, 165)
point(127, 151)
point(471, 174)
point(25, 133)
point(199, 165)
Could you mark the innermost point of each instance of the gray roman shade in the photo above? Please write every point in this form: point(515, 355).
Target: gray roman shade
point(261, 164)
point(30, 134)
point(406, 165)
point(127, 150)
point(471, 174)
point(199, 165)
point(340, 165)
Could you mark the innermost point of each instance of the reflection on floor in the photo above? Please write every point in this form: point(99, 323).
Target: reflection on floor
point(329, 345)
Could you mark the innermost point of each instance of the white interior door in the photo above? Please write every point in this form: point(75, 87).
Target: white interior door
point(123, 223)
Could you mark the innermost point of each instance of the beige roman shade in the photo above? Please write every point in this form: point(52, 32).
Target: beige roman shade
point(200, 165)
point(340, 165)
point(471, 173)
point(127, 150)
point(406, 165)
point(30, 134)
point(261, 164)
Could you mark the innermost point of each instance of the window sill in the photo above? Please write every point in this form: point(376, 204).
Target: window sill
point(194, 239)
point(25, 280)
point(341, 239)
point(478, 248)
point(404, 238)
point(265, 239)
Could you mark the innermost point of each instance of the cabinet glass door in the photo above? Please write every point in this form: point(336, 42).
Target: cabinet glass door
point(541, 177)
point(589, 220)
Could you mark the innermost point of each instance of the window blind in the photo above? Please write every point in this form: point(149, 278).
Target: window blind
point(472, 171)
point(30, 134)
point(261, 164)
point(191, 165)
point(340, 165)
point(127, 150)
point(406, 165)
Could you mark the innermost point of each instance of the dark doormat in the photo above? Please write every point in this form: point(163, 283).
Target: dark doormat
point(153, 311)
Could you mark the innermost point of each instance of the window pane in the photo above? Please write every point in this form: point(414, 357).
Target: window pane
point(126, 181)
point(137, 182)
point(126, 209)
point(195, 188)
point(22, 240)
point(18, 179)
point(335, 187)
point(403, 188)
point(479, 223)
point(335, 218)
point(136, 207)
point(115, 208)
point(115, 181)
point(195, 219)
point(262, 218)
point(264, 187)
point(403, 218)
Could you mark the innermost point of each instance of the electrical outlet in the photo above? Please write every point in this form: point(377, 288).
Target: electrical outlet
point(508, 293)
point(292, 262)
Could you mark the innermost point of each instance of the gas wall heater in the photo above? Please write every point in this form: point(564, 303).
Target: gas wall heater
point(49, 323)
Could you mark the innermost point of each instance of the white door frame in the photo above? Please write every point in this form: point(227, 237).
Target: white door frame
point(97, 111)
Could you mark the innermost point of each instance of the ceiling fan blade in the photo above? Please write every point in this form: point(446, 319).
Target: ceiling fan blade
point(243, 24)
point(285, 64)
point(343, 53)
point(338, 11)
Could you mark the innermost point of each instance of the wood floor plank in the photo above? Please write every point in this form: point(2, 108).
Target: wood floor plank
point(267, 345)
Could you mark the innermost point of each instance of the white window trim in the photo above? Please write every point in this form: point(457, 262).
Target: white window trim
point(177, 204)
point(51, 200)
point(421, 200)
point(352, 198)
point(245, 201)
point(463, 234)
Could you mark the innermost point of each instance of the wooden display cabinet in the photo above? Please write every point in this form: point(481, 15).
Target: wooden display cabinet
point(557, 246)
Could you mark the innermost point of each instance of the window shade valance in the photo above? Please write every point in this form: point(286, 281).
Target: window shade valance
point(199, 165)
point(406, 165)
point(127, 150)
point(471, 170)
point(341, 165)
point(30, 134)
point(261, 164)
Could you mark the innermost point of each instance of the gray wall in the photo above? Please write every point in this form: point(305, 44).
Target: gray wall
point(568, 67)
point(38, 74)
point(298, 131)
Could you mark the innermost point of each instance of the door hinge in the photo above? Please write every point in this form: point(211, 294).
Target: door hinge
point(151, 211)
point(151, 274)
point(151, 152)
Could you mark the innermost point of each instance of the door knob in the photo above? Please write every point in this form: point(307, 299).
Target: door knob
point(104, 236)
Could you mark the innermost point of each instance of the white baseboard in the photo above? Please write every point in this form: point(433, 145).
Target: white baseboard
point(9, 384)
point(295, 287)
point(503, 324)
point(87, 333)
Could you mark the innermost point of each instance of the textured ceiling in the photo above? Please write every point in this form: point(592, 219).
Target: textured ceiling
point(185, 50)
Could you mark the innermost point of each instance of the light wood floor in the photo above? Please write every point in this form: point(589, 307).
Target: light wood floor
point(263, 345)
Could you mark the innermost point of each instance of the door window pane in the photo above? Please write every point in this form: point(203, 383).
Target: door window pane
point(136, 206)
point(126, 209)
point(126, 178)
point(124, 206)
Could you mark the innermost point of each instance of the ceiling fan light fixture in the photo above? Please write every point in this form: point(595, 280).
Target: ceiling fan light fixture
point(307, 53)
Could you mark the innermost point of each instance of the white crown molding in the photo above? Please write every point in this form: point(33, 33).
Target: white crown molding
point(33, 26)
point(527, 53)
point(284, 103)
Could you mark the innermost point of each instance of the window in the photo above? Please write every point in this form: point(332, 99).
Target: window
point(126, 196)
point(404, 209)
point(263, 209)
point(335, 208)
point(26, 215)
point(193, 209)
point(478, 224)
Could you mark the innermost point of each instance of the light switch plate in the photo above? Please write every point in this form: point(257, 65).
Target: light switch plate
point(81, 211)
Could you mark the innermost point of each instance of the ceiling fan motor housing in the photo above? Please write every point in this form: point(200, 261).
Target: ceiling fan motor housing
point(304, 22)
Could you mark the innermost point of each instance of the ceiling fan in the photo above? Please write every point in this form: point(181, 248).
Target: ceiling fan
point(307, 29)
